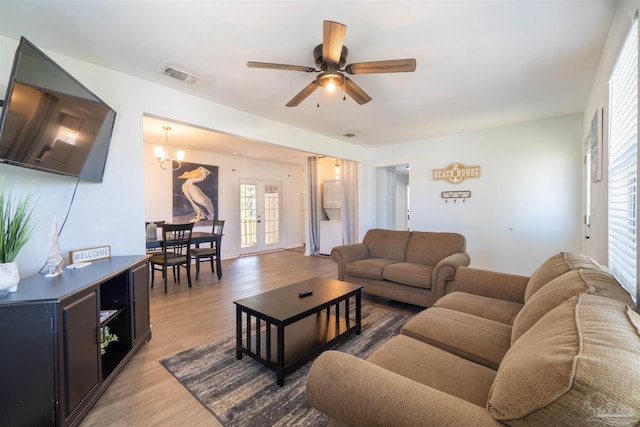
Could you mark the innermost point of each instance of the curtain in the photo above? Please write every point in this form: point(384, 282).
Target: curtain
point(349, 200)
point(315, 213)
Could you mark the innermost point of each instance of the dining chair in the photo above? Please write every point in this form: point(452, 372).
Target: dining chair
point(208, 253)
point(176, 243)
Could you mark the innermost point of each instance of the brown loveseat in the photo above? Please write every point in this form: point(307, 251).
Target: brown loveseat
point(561, 347)
point(408, 266)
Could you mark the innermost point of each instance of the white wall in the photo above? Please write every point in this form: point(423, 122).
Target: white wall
point(526, 205)
point(111, 213)
point(599, 98)
point(231, 169)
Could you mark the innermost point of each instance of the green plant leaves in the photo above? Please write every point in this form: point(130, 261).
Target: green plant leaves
point(17, 221)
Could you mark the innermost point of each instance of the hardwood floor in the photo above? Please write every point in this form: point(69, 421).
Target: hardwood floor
point(145, 394)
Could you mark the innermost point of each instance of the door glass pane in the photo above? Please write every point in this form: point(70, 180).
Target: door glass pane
point(271, 214)
point(248, 216)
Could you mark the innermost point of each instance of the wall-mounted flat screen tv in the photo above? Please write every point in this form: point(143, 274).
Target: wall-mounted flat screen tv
point(51, 122)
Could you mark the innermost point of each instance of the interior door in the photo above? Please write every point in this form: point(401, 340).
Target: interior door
point(260, 216)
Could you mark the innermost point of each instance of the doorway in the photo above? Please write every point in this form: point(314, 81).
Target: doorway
point(392, 204)
point(260, 216)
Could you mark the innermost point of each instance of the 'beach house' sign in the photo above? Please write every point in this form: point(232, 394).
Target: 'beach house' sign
point(455, 173)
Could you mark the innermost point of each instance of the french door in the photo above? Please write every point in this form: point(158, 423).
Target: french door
point(260, 216)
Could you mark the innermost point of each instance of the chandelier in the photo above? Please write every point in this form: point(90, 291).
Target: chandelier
point(162, 154)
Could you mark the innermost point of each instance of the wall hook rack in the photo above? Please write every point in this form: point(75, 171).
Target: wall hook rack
point(455, 195)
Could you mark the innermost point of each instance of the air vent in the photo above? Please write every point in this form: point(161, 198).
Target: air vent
point(180, 74)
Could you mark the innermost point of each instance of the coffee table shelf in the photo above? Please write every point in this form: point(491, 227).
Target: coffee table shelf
point(283, 331)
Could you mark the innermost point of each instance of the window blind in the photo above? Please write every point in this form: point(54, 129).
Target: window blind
point(623, 164)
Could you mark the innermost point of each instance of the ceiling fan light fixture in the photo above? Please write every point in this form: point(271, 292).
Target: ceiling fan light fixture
point(330, 80)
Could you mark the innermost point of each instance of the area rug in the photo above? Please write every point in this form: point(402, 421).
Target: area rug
point(245, 393)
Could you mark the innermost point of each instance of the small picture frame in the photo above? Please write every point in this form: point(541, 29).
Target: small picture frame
point(596, 145)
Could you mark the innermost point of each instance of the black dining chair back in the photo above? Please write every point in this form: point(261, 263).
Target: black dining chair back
point(176, 246)
point(209, 253)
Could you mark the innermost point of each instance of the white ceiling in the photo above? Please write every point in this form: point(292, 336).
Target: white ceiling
point(480, 63)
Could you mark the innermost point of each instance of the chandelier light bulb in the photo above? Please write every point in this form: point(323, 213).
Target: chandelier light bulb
point(159, 152)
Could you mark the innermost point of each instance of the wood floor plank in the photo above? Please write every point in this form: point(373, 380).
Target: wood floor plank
point(146, 394)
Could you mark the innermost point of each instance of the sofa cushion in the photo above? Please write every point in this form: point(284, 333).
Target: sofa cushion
point(408, 273)
point(370, 268)
point(576, 364)
point(488, 308)
point(435, 368)
point(386, 244)
point(555, 266)
point(471, 337)
point(560, 289)
point(429, 248)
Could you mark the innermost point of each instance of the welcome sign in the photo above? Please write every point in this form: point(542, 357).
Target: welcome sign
point(455, 173)
point(90, 254)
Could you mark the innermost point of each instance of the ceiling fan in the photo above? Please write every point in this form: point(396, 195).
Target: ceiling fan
point(331, 57)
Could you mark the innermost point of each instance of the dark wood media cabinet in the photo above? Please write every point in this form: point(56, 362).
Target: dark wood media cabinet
point(52, 370)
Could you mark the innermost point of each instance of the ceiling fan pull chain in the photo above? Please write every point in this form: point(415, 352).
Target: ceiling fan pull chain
point(344, 89)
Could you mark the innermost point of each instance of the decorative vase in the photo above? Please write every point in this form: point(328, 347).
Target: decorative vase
point(152, 231)
point(9, 276)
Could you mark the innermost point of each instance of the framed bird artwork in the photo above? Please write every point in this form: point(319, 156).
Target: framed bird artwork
point(195, 194)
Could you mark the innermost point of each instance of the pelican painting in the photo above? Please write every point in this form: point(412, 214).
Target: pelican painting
point(200, 202)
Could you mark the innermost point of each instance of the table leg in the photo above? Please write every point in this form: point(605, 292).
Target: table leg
point(218, 253)
point(238, 333)
point(358, 313)
point(280, 367)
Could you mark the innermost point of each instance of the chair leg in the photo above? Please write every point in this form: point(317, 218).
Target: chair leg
point(188, 267)
point(218, 266)
point(164, 273)
point(197, 267)
point(211, 261)
point(153, 274)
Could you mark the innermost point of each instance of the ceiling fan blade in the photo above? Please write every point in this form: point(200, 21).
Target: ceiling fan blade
point(392, 66)
point(303, 94)
point(332, 40)
point(355, 91)
point(253, 64)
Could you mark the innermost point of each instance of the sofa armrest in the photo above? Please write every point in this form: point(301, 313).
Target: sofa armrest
point(492, 284)
point(445, 271)
point(347, 253)
point(354, 392)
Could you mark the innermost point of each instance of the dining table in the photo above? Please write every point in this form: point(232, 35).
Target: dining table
point(197, 238)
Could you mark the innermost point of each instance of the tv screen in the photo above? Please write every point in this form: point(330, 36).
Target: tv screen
point(51, 122)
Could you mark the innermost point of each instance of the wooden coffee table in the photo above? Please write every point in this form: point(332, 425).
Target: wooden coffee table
point(284, 331)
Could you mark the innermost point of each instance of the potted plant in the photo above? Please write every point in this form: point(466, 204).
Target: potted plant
point(106, 339)
point(17, 225)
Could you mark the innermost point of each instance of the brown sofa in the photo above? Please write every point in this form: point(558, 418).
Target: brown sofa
point(409, 266)
point(561, 347)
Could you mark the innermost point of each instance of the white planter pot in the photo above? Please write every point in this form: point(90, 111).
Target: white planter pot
point(9, 277)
